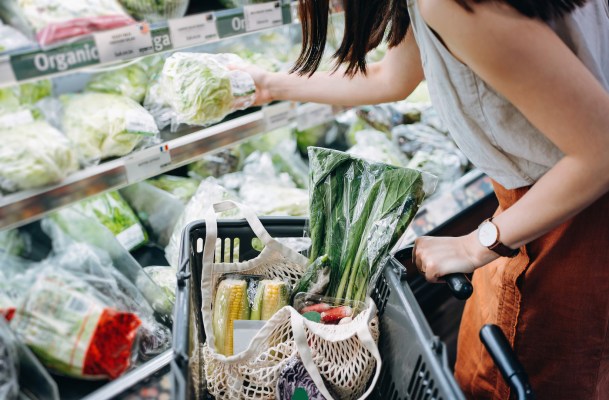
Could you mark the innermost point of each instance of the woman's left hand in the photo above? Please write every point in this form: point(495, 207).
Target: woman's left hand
point(436, 257)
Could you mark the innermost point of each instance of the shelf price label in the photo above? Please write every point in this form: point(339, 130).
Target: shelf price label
point(311, 114)
point(262, 16)
point(195, 29)
point(124, 43)
point(146, 163)
point(279, 115)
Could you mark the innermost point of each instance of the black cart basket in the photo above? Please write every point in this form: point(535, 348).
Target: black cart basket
point(415, 364)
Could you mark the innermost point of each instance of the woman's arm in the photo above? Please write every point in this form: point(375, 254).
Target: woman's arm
point(391, 79)
point(525, 61)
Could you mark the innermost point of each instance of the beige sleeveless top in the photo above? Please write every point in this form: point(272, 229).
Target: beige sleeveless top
point(491, 132)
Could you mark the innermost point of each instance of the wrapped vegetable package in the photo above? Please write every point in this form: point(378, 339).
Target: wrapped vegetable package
point(216, 164)
point(55, 20)
point(199, 89)
point(34, 155)
point(358, 211)
point(9, 365)
point(83, 318)
point(130, 81)
point(105, 125)
point(375, 146)
point(18, 103)
point(114, 213)
point(155, 10)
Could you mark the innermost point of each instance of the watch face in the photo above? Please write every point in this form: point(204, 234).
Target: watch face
point(487, 234)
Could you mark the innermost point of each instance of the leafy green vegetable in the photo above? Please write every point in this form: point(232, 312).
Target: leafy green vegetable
point(131, 81)
point(199, 89)
point(112, 211)
point(374, 146)
point(155, 10)
point(24, 97)
point(34, 155)
point(216, 164)
point(358, 210)
point(105, 125)
point(181, 187)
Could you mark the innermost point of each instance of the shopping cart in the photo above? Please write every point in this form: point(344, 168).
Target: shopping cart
point(415, 363)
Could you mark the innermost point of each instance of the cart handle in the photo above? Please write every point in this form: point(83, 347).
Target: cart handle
point(502, 354)
point(458, 284)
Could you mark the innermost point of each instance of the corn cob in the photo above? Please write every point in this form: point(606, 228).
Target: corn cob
point(270, 297)
point(231, 304)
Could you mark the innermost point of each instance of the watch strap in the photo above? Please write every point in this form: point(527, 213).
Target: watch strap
point(502, 249)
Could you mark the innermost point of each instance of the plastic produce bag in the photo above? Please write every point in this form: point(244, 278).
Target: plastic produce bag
point(105, 125)
point(130, 81)
point(14, 242)
point(157, 209)
point(9, 364)
point(165, 278)
point(155, 10)
point(375, 146)
point(82, 316)
point(219, 163)
point(114, 213)
point(34, 155)
point(55, 20)
point(199, 89)
point(19, 103)
point(358, 211)
point(12, 39)
point(208, 193)
point(68, 226)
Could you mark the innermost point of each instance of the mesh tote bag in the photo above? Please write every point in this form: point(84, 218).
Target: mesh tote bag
point(341, 360)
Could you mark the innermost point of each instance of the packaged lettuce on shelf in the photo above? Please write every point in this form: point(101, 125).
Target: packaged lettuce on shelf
point(112, 211)
point(181, 187)
point(375, 146)
point(51, 21)
point(155, 10)
point(199, 89)
point(19, 103)
point(216, 164)
point(34, 155)
point(105, 125)
point(130, 81)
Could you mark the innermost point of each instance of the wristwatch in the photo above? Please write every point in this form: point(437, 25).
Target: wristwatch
point(488, 235)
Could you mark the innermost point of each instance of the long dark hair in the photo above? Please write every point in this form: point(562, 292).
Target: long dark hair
point(368, 21)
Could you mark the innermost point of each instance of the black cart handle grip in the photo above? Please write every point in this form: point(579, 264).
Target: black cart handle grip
point(459, 285)
point(502, 354)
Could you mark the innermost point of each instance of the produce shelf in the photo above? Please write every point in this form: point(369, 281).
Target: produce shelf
point(34, 62)
point(19, 208)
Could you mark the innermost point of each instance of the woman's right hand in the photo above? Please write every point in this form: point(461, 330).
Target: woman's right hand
point(261, 78)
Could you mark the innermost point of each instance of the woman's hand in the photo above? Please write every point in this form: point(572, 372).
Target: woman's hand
point(436, 257)
point(261, 78)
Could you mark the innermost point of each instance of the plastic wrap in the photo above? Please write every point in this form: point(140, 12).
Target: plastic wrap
point(165, 278)
point(34, 155)
point(19, 103)
point(208, 193)
point(83, 317)
point(14, 242)
point(12, 39)
point(130, 81)
point(199, 89)
point(358, 210)
point(111, 210)
point(155, 10)
point(157, 209)
point(376, 147)
point(105, 125)
point(68, 226)
point(9, 364)
point(55, 20)
point(287, 159)
point(216, 164)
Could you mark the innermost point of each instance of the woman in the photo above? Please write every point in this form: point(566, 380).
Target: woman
point(523, 87)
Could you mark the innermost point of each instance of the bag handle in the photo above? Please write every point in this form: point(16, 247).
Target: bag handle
point(302, 345)
point(211, 227)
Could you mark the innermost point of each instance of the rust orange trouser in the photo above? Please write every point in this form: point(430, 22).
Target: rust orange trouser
point(552, 302)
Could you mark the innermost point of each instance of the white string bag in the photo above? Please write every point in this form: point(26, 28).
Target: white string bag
point(339, 358)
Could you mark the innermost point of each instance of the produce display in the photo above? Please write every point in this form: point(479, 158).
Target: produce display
point(18, 103)
point(130, 81)
point(55, 20)
point(181, 187)
point(34, 155)
point(155, 10)
point(115, 214)
point(375, 146)
point(199, 89)
point(105, 125)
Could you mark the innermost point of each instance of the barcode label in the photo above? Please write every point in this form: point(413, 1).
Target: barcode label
point(76, 305)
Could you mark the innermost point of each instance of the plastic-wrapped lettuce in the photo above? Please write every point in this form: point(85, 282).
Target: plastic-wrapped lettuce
point(374, 146)
point(18, 103)
point(34, 155)
point(130, 81)
point(155, 10)
point(216, 164)
point(199, 89)
point(179, 186)
point(115, 214)
point(105, 125)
